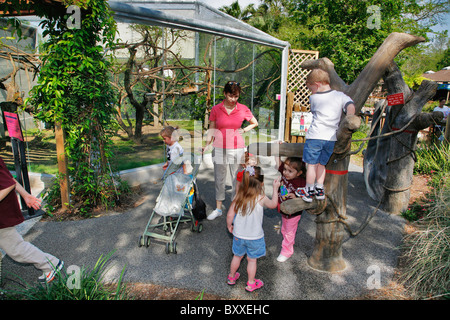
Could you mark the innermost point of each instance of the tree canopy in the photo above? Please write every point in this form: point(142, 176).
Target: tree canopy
point(347, 32)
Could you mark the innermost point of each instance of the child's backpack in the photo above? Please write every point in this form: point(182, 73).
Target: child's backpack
point(198, 205)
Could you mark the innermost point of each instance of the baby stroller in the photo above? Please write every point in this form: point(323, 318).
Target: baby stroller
point(174, 204)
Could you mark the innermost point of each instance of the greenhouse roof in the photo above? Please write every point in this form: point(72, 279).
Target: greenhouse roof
point(197, 16)
point(190, 15)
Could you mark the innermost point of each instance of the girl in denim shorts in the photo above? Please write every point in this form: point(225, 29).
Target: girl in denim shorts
point(244, 221)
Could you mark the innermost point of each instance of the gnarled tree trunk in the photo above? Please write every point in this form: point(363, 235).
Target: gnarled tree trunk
point(331, 212)
point(389, 161)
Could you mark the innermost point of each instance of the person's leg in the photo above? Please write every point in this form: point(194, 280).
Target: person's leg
point(288, 230)
point(24, 252)
point(320, 174)
point(311, 172)
point(238, 250)
point(234, 266)
point(255, 249)
point(307, 193)
point(234, 159)
point(220, 174)
point(251, 269)
point(327, 151)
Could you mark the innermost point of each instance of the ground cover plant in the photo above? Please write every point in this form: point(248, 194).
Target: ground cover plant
point(426, 271)
point(89, 284)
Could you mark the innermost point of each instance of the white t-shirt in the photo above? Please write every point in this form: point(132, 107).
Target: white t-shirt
point(249, 227)
point(173, 152)
point(326, 109)
point(445, 110)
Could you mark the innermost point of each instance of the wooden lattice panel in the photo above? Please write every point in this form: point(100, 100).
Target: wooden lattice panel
point(296, 75)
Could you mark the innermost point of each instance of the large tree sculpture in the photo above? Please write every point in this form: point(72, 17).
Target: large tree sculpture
point(331, 212)
point(389, 160)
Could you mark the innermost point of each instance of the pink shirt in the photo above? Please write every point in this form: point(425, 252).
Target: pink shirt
point(227, 125)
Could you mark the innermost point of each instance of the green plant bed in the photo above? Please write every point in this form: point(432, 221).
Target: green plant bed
point(40, 148)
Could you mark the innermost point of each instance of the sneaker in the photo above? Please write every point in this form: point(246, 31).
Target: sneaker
point(50, 276)
point(320, 194)
point(216, 213)
point(306, 195)
point(282, 258)
point(300, 192)
point(232, 281)
point(253, 286)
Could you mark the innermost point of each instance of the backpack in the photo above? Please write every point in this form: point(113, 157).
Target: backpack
point(198, 205)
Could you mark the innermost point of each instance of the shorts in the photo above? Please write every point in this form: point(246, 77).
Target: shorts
point(318, 151)
point(253, 248)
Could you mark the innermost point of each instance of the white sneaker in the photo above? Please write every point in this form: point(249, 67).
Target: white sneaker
point(49, 276)
point(216, 213)
point(282, 258)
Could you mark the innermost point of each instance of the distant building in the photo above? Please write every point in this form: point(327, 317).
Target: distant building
point(442, 77)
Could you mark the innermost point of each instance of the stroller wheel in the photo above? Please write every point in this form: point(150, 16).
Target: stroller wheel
point(141, 241)
point(171, 247)
point(174, 247)
point(147, 241)
point(197, 226)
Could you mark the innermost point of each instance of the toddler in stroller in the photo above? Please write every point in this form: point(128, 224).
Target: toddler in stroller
point(174, 204)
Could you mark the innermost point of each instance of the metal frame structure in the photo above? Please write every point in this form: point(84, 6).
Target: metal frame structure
point(194, 15)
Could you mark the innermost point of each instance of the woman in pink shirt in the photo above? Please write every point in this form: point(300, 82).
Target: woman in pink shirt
point(225, 133)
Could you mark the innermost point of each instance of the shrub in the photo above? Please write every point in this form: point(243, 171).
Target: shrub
point(427, 250)
point(91, 286)
point(433, 158)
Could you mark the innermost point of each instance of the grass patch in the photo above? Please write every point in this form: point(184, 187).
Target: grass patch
point(427, 249)
point(80, 284)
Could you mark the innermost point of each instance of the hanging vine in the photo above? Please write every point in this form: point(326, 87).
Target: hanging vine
point(74, 90)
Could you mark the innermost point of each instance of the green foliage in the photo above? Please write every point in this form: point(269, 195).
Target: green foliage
point(338, 29)
point(413, 81)
point(74, 90)
point(346, 32)
point(445, 61)
point(432, 159)
point(419, 208)
point(197, 105)
point(361, 133)
point(427, 249)
point(91, 286)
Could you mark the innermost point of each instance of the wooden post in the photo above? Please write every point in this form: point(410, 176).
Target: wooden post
point(289, 106)
point(62, 166)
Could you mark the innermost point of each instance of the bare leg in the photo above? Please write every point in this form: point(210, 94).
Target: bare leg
point(251, 269)
point(235, 263)
point(311, 174)
point(320, 174)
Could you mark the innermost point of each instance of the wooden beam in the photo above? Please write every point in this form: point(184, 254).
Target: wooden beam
point(62, 166)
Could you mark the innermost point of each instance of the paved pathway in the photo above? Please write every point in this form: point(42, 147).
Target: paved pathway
point(203, 259)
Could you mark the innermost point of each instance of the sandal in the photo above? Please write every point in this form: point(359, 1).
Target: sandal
point(232, 281)
point(253, 286)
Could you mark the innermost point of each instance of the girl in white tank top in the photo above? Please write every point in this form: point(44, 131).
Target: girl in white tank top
point(244, 221)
